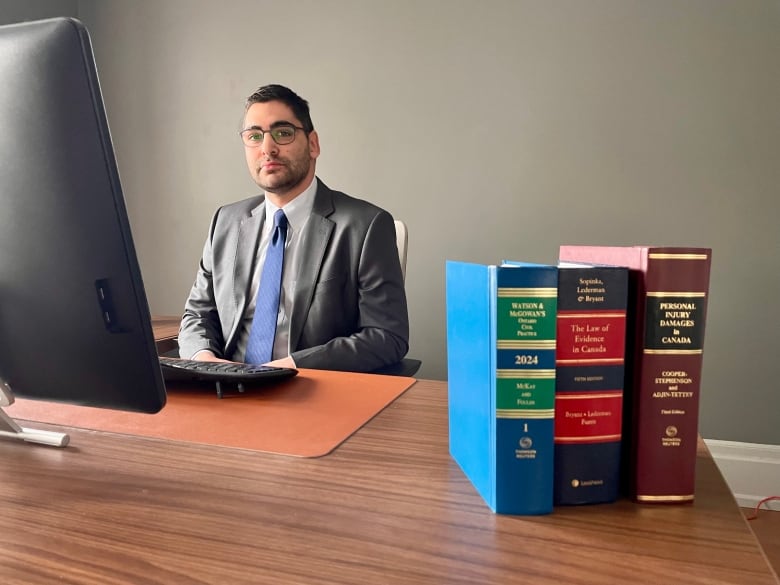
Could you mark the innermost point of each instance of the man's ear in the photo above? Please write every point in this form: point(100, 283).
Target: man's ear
point(314, 144)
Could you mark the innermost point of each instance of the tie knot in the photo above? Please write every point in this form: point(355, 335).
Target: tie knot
point(280, 219)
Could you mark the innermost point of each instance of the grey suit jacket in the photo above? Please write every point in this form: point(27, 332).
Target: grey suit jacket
point(349, 306)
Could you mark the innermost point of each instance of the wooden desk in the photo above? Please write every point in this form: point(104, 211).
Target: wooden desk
point(388, 506)
point(166, 330)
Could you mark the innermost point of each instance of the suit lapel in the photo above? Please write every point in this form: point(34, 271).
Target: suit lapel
point(246, 250)
point(314, 242)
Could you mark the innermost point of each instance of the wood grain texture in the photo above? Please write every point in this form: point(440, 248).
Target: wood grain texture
point(166, 332)
point(766, 527)
point(388, 506)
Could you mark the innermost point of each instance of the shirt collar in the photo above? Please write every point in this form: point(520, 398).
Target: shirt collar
point(297, 210)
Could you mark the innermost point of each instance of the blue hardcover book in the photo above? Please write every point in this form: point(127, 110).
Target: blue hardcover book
point(501, 324)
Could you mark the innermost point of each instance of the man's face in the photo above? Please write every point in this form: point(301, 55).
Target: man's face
point(283, 170)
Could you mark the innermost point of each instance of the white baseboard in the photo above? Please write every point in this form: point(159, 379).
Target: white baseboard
point(751, 470)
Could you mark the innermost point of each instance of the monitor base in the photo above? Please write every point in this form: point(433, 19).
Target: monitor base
point(9, 429)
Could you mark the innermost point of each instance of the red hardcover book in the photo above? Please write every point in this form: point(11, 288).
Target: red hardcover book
point(668, 292)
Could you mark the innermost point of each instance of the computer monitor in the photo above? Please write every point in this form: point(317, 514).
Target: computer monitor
point(74, 320)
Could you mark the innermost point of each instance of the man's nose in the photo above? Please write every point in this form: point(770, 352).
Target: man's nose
point(269, 144)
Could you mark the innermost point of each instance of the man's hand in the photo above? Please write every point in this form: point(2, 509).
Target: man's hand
point(207, 355)
point(285, 362)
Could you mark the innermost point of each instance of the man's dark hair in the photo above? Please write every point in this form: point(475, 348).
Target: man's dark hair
point(279, 93)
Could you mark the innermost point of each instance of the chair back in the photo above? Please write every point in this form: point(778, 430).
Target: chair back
point(407, 366)
point(402, 240)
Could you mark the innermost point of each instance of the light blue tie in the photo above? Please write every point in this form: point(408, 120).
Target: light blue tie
point(261, 337)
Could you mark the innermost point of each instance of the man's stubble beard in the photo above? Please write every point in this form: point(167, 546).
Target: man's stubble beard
point(292, 174)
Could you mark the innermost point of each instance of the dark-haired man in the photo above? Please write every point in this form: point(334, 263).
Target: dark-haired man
point(341, 302)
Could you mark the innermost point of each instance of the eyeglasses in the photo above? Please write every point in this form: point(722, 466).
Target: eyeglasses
point(283, 134)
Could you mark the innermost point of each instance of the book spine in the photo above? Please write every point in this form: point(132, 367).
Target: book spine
point(668, 291)
point(526, 308)
point(668, 379)
point(591, 337)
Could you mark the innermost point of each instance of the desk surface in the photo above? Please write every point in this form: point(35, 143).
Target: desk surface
point(166, 330)
point(388, 506)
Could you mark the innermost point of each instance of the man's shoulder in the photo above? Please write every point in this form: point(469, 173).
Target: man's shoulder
point(351, 205)
point(239, 209)
point(242, 207)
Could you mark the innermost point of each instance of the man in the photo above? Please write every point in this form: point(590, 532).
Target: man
point(342, 304)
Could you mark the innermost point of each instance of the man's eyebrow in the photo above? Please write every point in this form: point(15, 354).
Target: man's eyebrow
point(274, 125)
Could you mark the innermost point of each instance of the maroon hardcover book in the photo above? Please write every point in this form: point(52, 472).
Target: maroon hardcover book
point(669, 288)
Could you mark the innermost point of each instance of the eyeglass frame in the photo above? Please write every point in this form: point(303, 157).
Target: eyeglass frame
point(275, 127)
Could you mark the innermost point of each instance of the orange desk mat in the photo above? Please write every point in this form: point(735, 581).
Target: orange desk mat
point(306, 416)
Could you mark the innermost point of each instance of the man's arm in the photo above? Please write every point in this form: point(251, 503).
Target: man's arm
point(200, 329)
point(380, 315)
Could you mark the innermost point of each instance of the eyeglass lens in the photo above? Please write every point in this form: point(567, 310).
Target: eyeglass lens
point(280, 135)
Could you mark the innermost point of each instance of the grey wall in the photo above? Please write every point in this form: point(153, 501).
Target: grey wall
point(20, 10)
point(495, 129)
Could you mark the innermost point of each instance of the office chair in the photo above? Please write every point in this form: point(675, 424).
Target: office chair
point(402, 240)
point(407, 366)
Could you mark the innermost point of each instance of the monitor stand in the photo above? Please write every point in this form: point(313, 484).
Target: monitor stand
point(9, 428)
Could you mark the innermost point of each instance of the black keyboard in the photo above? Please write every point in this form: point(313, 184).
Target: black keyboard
point(229, 374)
